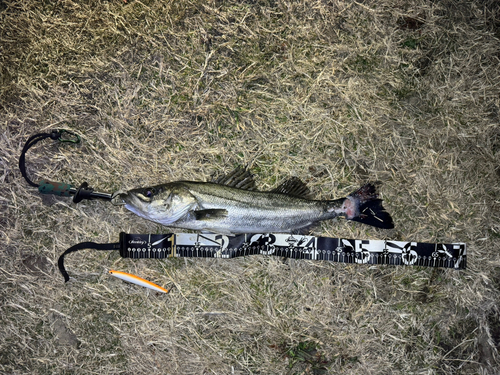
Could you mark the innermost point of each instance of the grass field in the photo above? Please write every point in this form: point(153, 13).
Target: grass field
point(337, 93)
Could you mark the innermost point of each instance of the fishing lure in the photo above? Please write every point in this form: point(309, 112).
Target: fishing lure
point(137, 280)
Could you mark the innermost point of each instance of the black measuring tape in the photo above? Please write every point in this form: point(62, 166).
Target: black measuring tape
point(192, 245)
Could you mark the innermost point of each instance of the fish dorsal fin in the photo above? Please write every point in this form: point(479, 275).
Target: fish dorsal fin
point(293, 186)
point(239, 178)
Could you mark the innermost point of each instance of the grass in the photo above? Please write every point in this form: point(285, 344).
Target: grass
point(336, 93)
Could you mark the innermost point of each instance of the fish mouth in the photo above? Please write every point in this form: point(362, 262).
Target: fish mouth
point(129, 199)
point(119, 198)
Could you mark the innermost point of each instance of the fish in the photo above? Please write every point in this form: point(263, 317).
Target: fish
point(232, 205)
point(137, 280)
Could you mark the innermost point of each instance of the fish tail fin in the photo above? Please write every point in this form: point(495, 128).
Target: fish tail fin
point(364, 206)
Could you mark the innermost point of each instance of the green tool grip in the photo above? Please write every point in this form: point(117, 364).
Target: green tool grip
point(56, 188)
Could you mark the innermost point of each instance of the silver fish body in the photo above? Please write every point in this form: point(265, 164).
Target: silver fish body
point(219, 208)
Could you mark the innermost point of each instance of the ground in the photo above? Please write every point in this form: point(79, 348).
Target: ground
point(337, 93)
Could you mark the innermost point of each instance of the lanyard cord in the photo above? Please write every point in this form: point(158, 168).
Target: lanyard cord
point(80, 246)
point(58, 188)
point(33, 140)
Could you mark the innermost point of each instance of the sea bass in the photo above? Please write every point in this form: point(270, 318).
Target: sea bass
point(232, 205)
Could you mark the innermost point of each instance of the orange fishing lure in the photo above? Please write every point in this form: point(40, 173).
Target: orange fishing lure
point(137, 280)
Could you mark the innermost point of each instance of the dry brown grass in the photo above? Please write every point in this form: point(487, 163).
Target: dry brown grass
point(334, 92)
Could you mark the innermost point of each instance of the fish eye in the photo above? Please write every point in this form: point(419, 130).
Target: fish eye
point(150, 192)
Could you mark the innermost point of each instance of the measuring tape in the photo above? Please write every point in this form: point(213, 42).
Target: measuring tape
point(192, 245)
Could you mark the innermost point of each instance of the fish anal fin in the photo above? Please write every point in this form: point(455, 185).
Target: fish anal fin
point(240, 178)
point(305, 231)
point(293, 186)
point(218, 231)
point(210, 214)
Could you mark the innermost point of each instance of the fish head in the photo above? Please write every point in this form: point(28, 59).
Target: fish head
point(163, 204)
point(141, 201)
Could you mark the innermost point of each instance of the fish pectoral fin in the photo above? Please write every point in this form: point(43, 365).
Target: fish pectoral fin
point(210, 214)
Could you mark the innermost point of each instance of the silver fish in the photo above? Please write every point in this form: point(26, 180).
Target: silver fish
point(231, 205)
